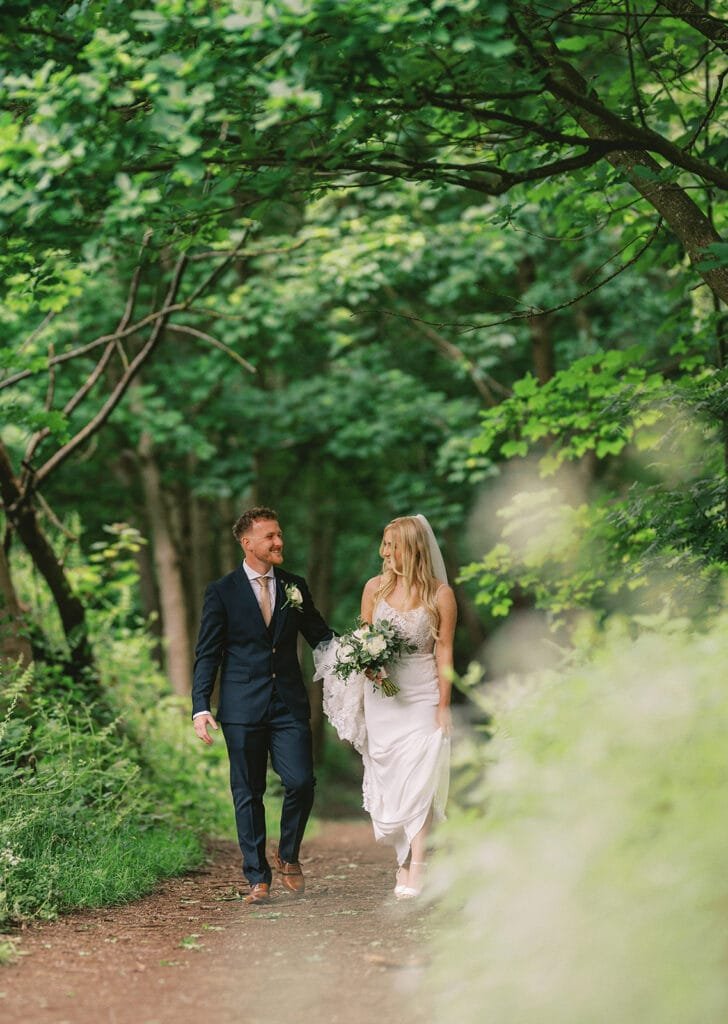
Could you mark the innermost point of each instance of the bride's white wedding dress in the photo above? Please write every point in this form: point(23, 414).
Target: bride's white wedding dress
point(406, 756)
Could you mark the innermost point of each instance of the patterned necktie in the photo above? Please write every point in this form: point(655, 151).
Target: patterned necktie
point(264, 599)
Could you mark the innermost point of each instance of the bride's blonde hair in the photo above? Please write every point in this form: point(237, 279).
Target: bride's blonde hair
point(409, 537)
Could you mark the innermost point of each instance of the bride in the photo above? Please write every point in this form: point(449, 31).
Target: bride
point(405, 739)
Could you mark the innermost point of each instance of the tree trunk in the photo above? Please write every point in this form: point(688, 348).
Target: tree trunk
point(542, 347)
point(684, 217)
point(169, 576)
point(14, 643)
point(149, 597)
point(319, 576)
point(125, 469)
point(21, 514)
point(468, 617)
point(228, 553)
point(200, 549)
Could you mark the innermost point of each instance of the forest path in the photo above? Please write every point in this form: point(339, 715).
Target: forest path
point(345, 953)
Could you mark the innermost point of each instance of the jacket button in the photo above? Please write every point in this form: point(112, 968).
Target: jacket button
point(274, 650)
point(273, 676)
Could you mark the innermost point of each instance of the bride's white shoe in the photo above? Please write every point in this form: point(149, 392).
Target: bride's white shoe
point(411, 892)
point(400, 887)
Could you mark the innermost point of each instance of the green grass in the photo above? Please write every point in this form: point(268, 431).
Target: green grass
point(8, 952)
point(94, 869)
point(120, 867)
point(83, 820)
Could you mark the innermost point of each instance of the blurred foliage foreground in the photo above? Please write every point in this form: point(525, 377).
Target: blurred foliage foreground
point(585, 863)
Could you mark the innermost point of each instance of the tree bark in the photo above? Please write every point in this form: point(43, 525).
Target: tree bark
point(712, 28)
point(228, 553)
point(320, 575)
point(684, 217)
point(542, 348)
point(201, 570)
point(468, 617)
point(13, 643)
point(125, 469)
point(22, 515)
point(169, 576)
point(149, 597)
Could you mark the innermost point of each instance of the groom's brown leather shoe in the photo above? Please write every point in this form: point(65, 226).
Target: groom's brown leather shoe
point(259, 893)
point(291, 876)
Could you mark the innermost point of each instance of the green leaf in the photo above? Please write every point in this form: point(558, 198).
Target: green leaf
point(514, 448)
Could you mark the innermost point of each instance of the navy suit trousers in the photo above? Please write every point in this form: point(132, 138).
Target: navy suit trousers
point(288, 741)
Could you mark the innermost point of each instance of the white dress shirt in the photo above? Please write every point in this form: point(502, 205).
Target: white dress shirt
point(253, 576)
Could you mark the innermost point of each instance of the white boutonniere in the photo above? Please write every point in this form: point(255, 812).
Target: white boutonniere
point(294, 597)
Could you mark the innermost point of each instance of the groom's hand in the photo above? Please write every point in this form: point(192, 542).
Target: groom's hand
point(201, 723)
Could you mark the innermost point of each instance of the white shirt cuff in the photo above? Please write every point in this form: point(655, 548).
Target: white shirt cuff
point(198, 713)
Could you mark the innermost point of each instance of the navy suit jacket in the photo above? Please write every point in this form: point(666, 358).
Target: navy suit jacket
point(252, 657)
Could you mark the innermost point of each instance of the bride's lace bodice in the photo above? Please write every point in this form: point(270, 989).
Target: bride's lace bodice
point(415, 673)
point(414, 625)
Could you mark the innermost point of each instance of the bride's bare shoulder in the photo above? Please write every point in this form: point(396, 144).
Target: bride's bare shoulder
point(372, 586)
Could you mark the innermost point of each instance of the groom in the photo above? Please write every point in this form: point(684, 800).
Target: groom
point(250, 623)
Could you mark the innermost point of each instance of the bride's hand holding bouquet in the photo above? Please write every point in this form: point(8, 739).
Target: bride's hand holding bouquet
point(368, 649)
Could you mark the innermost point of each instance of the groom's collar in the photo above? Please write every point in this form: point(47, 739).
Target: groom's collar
point(252, 574)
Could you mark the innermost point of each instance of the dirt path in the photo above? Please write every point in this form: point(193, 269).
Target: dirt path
point(345, 953)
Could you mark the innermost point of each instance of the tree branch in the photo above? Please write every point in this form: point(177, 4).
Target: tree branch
point(217, 271)
point(118, 392)
point(119, 334)
point(646, 138)
point(248, 253)
point(93, 377)
point(482, 382)
point(709, 26)
point(82, 350)
point(532, 313)
point(195, 333)
point(48, 318)
point(683, 216)
point(544, 132)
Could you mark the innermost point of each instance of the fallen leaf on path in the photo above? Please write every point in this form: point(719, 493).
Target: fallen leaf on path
point(379, 960)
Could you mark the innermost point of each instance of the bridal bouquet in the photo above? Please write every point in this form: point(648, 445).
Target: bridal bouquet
point(367, 649)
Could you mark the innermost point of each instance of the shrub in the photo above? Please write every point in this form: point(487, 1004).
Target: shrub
point(79, 824)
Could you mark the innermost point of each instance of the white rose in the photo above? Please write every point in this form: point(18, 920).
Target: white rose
point(346, 651)
point(295, 595)
point(375, 645)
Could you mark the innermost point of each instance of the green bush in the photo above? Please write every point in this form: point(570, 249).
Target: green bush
point(79, 824)
point(585, 865)
point(94, 813)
